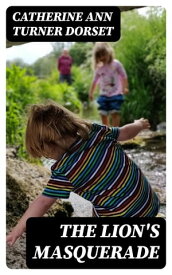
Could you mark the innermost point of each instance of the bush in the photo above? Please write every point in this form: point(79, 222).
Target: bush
point(23, 90)
point(19, 95)
point(61, 93)
point(81, 82)
point(81, 52)
point(142, 52)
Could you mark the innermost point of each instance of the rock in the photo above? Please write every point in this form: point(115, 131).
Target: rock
point(161, 127)
point(25, 181)
point(11, 152)
point(147, 140)
point(16, 255)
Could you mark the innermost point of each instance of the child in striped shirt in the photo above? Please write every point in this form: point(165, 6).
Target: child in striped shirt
point(89, 162)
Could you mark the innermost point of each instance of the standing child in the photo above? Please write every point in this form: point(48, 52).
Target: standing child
point(90, 162)
point(113, 83)
point(64, 65)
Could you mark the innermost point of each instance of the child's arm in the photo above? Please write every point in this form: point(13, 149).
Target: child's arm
point(124, 77)
point(92, 89)
point(131, 130)
point(125, 85)
point(36, 209)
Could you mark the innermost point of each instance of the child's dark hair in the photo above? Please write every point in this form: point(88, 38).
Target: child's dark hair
point(51, 125)
point(102, 49)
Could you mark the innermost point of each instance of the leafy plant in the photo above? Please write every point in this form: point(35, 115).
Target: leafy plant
point(142, 52)
point(81, 82)
point(23, 90)
point(19, 95)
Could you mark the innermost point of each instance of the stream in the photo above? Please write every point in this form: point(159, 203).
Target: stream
point(153, 164)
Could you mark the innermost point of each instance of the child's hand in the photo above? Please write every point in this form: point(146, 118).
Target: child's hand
point(125, 91)
point(144, 123)
point(13, 236)
point(90, 97)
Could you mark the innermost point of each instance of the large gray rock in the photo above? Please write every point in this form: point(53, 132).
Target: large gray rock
point(25, 182)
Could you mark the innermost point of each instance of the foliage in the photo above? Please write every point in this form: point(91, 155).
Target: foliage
point(23, 90)
point(58, 47)
point(61, 93)
point(19, 94)
point(18, 62)
point(81, 53)
point(81, 82)
point(142, 52)
point(44, 66)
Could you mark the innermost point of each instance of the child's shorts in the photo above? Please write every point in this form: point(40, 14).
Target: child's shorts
point(110, 105)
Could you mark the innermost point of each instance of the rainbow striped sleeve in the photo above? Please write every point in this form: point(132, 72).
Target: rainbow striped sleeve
point(113, 133)
point(58, 186)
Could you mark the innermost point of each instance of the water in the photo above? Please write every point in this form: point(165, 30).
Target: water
point(90, 112)
point(153, 165)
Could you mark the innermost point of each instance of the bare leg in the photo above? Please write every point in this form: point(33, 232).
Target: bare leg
point(115, 119)
point(105, 120)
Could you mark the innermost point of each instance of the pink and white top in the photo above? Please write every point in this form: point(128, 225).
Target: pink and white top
point(109, 78)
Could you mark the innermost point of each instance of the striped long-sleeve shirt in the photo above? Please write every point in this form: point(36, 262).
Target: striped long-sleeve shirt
point(100, 171)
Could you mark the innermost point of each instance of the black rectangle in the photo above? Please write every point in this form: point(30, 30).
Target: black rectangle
point(53, 23)
point(97, 243)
